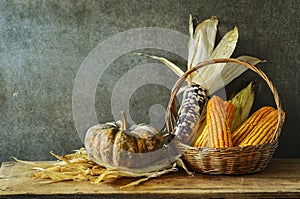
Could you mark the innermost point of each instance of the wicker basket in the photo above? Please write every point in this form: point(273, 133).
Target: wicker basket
point(233, 160)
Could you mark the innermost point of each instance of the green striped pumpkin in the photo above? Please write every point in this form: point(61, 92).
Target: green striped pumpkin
point(118, 145)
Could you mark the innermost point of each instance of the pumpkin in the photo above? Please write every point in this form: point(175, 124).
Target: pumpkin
point(119, 145)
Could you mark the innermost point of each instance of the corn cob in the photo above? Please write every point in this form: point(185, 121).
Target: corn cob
point(200, 133)
point(190, 112)
point(202, 140)
point(229, 112)
point(243, 130)
point(264, 131)
point(219, 135)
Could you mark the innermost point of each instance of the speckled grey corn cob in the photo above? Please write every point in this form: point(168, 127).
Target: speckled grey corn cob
point(190, 112)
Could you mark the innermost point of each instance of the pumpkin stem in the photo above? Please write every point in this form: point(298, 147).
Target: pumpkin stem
point(124, 124)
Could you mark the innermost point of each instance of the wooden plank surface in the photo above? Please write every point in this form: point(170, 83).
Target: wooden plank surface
point(280, 179)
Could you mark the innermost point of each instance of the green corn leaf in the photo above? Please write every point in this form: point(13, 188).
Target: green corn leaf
point(242, 102)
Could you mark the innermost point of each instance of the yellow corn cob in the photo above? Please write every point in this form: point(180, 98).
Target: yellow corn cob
point(201, 128)
point(202, 140)
point(219, 135)
point(263, 132)
point(243, 130)
point(229, 110)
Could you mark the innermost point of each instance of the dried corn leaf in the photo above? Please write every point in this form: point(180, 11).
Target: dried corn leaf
point(201, 44)
point(207, 76)
point(201, 48)
point(79, 167)
point(231, 70)
point(165, 61)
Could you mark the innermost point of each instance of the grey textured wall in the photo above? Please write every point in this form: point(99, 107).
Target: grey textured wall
point(43, 43)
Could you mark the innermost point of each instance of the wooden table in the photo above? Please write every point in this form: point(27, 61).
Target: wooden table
point(281, 179)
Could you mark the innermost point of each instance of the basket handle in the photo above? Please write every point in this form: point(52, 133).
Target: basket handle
point(170, 113)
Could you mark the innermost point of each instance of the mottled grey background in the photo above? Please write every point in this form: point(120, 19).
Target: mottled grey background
point(43, 43)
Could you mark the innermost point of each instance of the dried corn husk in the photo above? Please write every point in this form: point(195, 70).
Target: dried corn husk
point(201, 47)
point(201, 43)
point(79, 167)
